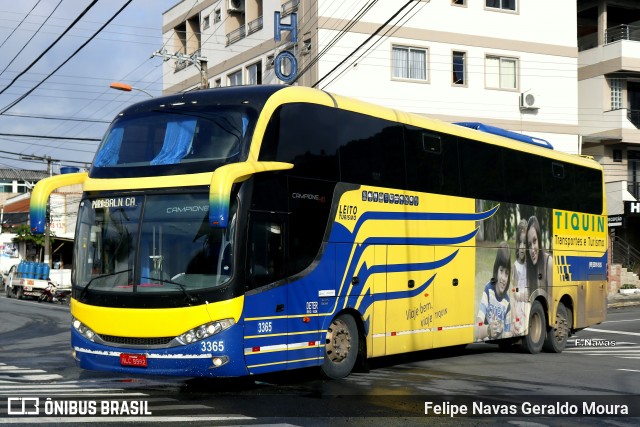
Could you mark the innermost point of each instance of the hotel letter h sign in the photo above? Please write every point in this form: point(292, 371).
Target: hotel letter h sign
point(292, 27)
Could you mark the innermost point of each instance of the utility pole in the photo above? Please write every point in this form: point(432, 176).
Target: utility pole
point(195, 59)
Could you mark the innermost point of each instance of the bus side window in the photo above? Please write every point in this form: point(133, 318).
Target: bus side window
point(266, 251)
point(432, 161)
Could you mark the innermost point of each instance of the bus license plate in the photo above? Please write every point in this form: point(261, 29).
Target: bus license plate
point(127, 359)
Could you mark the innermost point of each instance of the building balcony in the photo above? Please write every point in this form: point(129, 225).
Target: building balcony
point(289, 7)
point(622, 32)
point(622, 49)
point(255, 25)
point(613, 125)
point(236, 35)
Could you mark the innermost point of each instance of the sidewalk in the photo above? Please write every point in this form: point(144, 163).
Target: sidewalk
point(619, 300)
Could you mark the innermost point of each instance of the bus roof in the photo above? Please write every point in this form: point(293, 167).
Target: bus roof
point(272, 96)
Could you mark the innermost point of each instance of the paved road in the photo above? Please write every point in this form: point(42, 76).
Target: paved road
point(35, 362)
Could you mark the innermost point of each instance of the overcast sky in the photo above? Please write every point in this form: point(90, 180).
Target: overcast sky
point(80, 89)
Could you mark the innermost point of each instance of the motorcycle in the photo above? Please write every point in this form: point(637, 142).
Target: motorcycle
point(53, 294)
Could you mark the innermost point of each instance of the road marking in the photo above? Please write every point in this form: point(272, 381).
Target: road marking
point(615, 321)
point(637, 334)
point(628, 370)
point(138, 419)
point(16, 385)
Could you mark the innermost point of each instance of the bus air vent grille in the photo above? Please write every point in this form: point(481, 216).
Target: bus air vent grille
point(128, 341)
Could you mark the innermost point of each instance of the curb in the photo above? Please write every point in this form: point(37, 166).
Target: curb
point(620, 301)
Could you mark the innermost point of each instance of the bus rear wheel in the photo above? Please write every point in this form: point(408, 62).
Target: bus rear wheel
point(534, 340)
point(557, 335)
point(341, 347)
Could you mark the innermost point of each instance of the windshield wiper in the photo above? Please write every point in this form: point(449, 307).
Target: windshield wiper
point(84, 290)
point(183, 288)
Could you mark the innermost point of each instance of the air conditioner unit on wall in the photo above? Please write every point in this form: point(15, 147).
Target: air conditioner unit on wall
point(529, 101)
point(235, 6)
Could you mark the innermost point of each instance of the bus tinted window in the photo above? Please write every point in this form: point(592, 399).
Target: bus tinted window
point(481, 170)
point(522, 172)
point(432, 161)
point(172, 141)
point(588, 196)
point(305, 135)
point(372, 152)
point(328, 143)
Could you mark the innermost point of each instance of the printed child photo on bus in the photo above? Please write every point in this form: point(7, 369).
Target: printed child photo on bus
point(539, 262)
point(520, 295)
point(516, 230)
point(494, 316)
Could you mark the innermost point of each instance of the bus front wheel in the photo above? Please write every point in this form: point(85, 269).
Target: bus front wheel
point(557, 335)
point(341, 347)
point(534, 340)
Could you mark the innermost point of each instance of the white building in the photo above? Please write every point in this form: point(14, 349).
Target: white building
point(609, 109)
point(508, 63)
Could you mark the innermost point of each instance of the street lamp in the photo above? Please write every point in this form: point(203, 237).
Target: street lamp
point(127, 88)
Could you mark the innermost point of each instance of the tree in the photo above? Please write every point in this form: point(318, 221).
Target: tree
point(24, 234)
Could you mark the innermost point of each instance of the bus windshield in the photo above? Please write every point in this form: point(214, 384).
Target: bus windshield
point(152, 243)
point(172, 141)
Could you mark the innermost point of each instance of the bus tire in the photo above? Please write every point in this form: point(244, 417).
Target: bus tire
point(557, 335)
point(341, 347)
point(534, 340)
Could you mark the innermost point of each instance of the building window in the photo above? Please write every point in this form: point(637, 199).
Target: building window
point(616, 93)
point(501, 4)
point(459, 2)
point(254, 74)
point(180, 38)
point(501, 72)
point(217, 83)
point(633, 181)
point(235, 79)
point(205, 22)
point(459, 66)
point(217, 16)
point(409, 63)
point(617, 156)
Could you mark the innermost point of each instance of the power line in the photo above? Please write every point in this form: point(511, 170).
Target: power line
point(380, 28)
point(4, 110)
point(31, 38)
point(50, 46)
point(50, 137)
point(18, 26)
point(31, 116)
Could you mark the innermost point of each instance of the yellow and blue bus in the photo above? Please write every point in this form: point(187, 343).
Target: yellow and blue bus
point(246, 230)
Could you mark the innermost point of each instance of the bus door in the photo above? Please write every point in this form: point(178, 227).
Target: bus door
point(266, 308)
point(453, 304)
point(377, 319)
point(410, 296)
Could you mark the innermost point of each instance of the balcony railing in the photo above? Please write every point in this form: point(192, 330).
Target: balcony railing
point(622, 32)
point(255, 25)
point(235, 35)
point(289, 7)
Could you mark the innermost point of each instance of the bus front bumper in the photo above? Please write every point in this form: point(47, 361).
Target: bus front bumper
point(199, 359)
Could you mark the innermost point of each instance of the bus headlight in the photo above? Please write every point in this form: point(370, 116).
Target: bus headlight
point(204, 331)
point(83, 329)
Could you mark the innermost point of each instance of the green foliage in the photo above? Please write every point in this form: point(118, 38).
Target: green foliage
point(628, 286)
point(23, 234)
